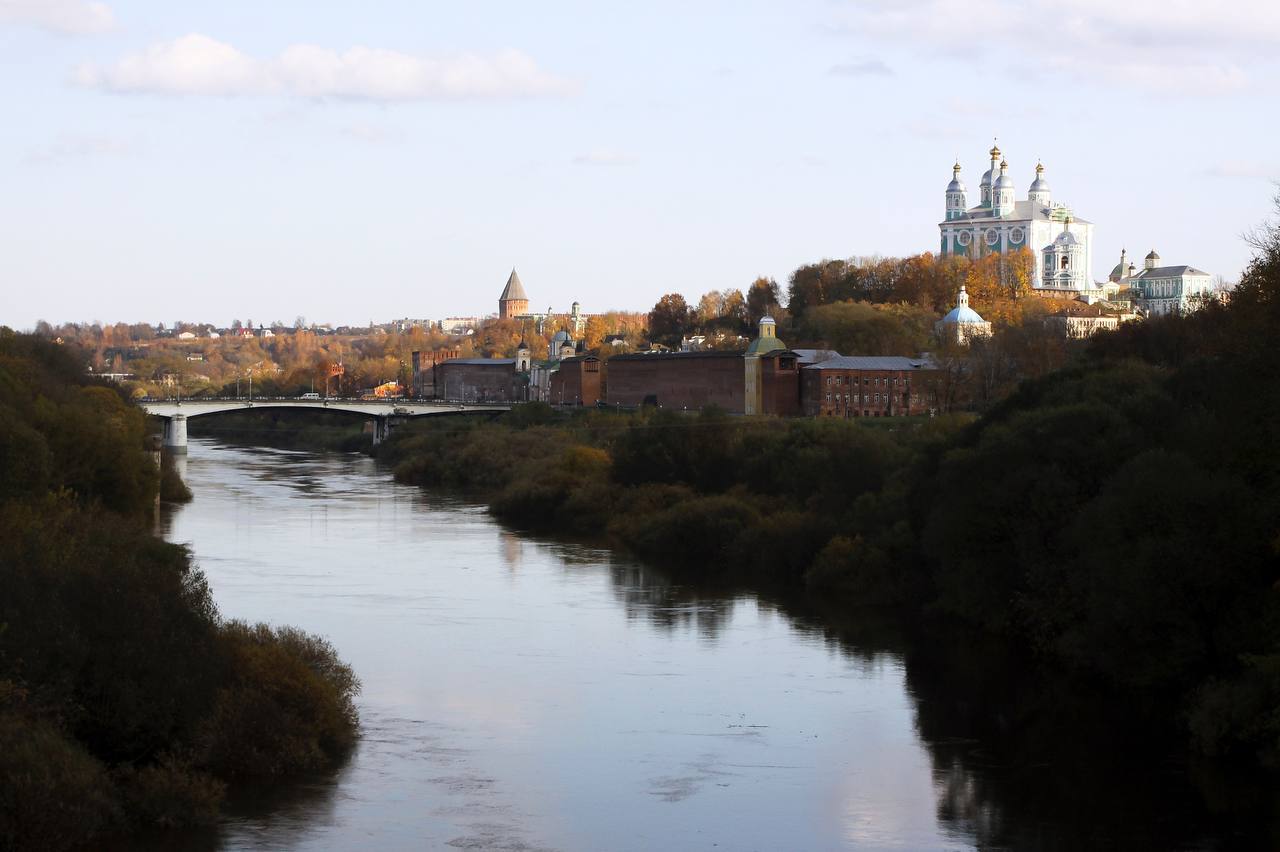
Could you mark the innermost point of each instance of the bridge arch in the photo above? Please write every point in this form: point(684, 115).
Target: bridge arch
point(385, 414)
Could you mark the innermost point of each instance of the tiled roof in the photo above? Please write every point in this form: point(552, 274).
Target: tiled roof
point(1168, 272)
point(813, 356)
point(514, 289)
point(667, 356)
point(479, 362)
point(874, 362)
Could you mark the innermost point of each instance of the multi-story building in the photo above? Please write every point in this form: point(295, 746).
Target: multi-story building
point(1165, 289)
point(870, 386)
point(1060, 242)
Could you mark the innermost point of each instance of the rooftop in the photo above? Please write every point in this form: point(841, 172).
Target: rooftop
point(514, 289)
point(1169, 272)
point(1025, 210)
point(874, 362)
point(479, 362)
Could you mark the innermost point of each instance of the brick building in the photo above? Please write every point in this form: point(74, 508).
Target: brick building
point(577, 381)
point(513, 302)
point(864, 386)
point(695, 380)
point(476, 380)
point(424, 385)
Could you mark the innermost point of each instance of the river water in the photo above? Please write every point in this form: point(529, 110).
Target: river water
point(524, 695)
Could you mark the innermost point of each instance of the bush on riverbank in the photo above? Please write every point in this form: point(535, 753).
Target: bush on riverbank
point(124, 699)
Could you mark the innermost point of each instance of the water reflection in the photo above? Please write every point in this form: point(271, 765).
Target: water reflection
point(526, 694)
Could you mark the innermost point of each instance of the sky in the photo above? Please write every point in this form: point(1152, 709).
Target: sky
point(343, 161)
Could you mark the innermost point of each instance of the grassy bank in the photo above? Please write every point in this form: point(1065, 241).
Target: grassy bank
point(126, 700)
point(1115, 519)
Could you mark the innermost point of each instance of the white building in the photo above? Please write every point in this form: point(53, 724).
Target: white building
point(1160, 289)
point(963, 323)
point(1060, 243)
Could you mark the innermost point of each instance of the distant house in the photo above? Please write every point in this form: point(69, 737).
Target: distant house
point(186, 335)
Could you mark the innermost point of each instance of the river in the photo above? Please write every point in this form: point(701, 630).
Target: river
point(521, 694)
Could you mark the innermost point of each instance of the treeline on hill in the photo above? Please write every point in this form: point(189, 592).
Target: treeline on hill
point(1117, 517)
point(125, 700)
point(859, 306)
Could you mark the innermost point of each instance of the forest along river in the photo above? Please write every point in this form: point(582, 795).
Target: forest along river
point(528, 695)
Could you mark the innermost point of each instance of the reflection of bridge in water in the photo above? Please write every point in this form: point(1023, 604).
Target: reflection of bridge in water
point(385, 413)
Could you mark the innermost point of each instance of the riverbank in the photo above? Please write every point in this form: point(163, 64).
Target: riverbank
point(1116, 518)
point(127, 702)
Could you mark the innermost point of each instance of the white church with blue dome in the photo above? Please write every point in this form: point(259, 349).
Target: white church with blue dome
point(962, 324)
point(1061, 243)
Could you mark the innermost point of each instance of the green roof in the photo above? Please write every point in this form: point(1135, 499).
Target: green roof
point(761, 345)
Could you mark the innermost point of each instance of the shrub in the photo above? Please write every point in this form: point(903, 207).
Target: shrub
point(289, 705)
point(54, 795)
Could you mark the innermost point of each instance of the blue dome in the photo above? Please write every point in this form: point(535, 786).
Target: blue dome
point(962, 315)
point(955, 186)
point(1004, 182)
point(1039, 185)
point(986, 178)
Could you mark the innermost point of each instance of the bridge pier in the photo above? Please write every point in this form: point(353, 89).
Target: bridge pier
point(382, 427)
point(175, 434)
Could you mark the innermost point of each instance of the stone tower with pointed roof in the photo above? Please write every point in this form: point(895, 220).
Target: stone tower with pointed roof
point(513, 302)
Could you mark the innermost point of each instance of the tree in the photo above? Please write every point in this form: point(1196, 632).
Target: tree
point(733, 311)
point(862, 328)
point(762, 296)
point(670, 319)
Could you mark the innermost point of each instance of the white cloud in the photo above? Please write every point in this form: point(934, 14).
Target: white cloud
point(861, 68)
point(604, 157)
point(1178, 46)
point(198, 65)
point(73, 17)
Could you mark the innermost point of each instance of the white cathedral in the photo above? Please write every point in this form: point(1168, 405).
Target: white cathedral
point(1061, 244)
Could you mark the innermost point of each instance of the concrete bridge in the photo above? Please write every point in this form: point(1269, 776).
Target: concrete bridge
point(385, 413)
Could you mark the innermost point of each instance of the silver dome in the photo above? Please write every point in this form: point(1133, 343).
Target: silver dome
point(955, 186)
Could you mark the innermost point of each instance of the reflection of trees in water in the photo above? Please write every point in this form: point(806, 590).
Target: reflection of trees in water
point(649, 594)
point(276, 815)
point(1026, 760)
point(1022, 758)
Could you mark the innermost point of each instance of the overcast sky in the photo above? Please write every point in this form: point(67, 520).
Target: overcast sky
point(374, 160)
